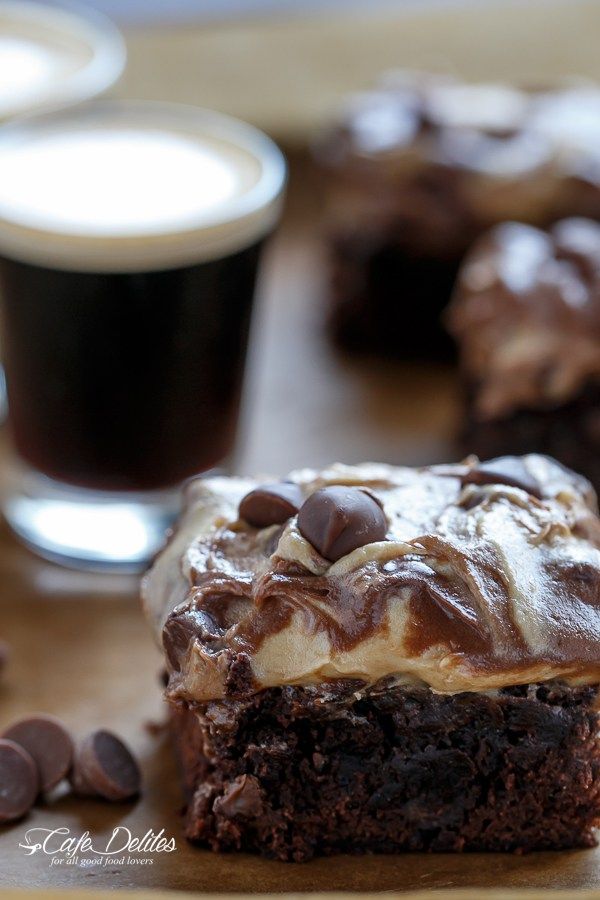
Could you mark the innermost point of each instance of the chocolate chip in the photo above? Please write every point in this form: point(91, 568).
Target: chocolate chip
point(18, 781)
point(81, 787)
point(338, 519)
point(271, 504)
point(104, 767)
point(179, 631)
point(242, 798)
point(48, 743)
point(509, 470)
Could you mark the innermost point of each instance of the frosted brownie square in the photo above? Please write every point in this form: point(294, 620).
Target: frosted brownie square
point(526, 318)
point(378, 659)
point(416, 169)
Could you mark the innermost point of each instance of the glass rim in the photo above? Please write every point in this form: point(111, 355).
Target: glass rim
point(88, 25)
point(233, 225)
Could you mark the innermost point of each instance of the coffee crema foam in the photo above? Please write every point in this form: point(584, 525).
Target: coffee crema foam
point(134, 187)
point(116, 181)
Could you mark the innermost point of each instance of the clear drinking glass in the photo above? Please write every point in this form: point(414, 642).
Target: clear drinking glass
point(130, 237)
point(52, 54)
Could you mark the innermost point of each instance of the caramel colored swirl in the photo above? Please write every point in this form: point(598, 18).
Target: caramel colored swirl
point(479, 584)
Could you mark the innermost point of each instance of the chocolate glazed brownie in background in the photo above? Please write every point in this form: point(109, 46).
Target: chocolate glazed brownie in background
point(526, 317)
point(376, 659)
point(416, 169)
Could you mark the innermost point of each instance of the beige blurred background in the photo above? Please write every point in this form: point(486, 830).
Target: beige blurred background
point(285, 70)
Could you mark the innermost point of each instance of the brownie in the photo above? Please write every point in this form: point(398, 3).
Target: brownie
point(526, 318)
point(307, 770)
point(419, 167)
point(380, 659)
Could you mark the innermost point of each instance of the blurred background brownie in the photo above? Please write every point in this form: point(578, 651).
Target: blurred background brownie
point(416, 169)
point(526, 316)
point(378, 659)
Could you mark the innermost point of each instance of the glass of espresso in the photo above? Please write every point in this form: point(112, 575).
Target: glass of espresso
point(130, 238)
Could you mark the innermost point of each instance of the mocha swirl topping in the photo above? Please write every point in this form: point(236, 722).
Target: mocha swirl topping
point(489, 575)
point(434, 161)
point(526, 315)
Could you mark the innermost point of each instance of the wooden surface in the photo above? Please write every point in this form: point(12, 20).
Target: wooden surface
point(468, 894)
point(305, 404)
point(80, 648)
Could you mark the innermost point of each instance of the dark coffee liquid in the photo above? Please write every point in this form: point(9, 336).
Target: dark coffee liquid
point(128, 381)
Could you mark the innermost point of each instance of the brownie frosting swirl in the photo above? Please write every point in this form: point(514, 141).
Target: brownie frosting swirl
point(488, 576)
point(437, 161)
point(526, 315)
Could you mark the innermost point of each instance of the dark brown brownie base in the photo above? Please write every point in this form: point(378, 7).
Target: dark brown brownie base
point(297, 772)
point(569, 433)
point(385, 301)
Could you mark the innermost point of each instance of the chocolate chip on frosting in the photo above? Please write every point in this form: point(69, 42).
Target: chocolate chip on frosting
point(337, 520)
point(509, 470)
point(181, 628)
point(271, 504)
